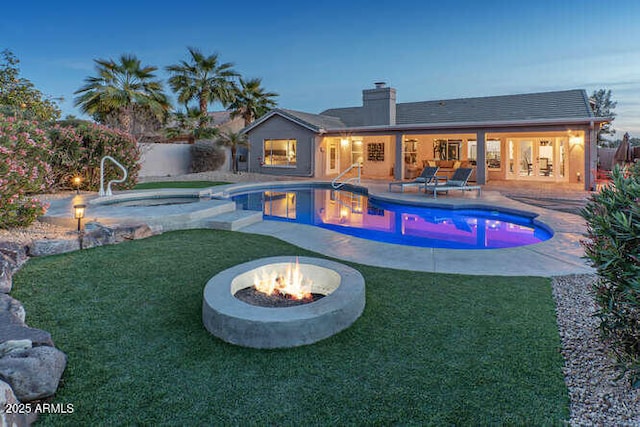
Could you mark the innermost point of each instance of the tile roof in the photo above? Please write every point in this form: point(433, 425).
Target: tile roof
point(530, 106)
point(316, 121)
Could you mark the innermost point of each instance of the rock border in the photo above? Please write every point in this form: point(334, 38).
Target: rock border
point(30, 365)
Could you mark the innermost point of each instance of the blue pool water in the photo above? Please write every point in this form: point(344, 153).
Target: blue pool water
point(357, 215)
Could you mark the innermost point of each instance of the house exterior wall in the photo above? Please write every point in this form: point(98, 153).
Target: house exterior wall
point(277, 127)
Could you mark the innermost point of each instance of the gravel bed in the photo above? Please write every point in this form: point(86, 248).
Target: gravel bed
point(596, 397)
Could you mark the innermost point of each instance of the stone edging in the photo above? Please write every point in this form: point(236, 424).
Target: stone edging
point(30, 364)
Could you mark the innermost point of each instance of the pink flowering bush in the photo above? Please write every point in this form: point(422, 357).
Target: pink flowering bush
point(79, 147)
point(25, 151)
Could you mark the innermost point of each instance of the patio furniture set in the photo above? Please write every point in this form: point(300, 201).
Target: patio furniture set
point(429, 181)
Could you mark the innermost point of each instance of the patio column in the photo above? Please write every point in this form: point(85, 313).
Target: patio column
point(398, 170)
point(481, 161)
point(590, 157)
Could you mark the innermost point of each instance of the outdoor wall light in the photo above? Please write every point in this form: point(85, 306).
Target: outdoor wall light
point(77, 181)
point(78, 213)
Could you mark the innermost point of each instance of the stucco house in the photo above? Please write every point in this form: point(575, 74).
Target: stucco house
point(543, 137)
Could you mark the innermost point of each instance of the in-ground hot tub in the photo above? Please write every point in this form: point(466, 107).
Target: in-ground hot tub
point(244, 324)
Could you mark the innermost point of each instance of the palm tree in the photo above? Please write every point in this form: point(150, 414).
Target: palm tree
point(202, 79)
point(233, 140)
point(251, 101)
point(192, 124)
point(123, 89)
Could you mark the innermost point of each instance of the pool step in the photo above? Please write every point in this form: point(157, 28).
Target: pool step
point(234, 220)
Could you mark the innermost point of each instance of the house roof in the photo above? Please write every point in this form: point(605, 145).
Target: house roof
point(314, 122)
point(541, 108)
point(526, 107)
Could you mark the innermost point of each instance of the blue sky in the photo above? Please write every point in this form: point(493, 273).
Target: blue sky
point(321, 55)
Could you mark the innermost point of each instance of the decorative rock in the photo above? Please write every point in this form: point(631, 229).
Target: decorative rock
point(53, 247)
point(15, 253)
point(13, 328)
point(12, 306)
point(6, 274)
point(33, 373)
point(7, 400)
point(13, 346)
point(97, 234)
point(132, 232)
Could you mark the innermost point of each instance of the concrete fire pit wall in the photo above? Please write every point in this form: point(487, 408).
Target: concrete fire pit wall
point(240, 323)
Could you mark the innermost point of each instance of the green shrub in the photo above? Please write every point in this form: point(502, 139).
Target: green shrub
point(79, 149)
point(206, 156)
point(25, 150)
point(613, 248)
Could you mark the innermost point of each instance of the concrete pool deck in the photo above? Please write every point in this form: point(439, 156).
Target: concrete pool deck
point(560, 255)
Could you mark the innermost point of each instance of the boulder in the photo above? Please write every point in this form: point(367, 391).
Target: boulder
point(132, 232)
point(13, 328)
point(16, 253)
point(12, 306)
point(52, 246)
point(13, 417)
point(96, 234)
point(6, 275)
point(13, 346)
point(33, 373)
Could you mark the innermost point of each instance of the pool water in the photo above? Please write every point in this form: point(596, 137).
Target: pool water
point(356, 215)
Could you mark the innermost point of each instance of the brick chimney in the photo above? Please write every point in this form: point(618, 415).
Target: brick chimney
point(379, 105)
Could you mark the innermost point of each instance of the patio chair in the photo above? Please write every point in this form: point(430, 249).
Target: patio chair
point(427, 176)
point(457, 182)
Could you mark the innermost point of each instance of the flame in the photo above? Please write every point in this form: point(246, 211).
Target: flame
point(290, 285)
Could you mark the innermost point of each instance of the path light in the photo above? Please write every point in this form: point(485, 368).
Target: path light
point(78, 213)
point(77, 181)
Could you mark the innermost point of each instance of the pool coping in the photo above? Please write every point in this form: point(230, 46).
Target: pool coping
point(562, 254)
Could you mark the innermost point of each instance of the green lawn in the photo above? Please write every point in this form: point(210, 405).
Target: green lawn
point(428, 349)
point(177, 184)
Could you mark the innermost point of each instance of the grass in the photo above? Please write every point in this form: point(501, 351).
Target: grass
point(428, 349)
point(177, 184)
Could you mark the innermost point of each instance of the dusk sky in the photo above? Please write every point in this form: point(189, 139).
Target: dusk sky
point(319, 55)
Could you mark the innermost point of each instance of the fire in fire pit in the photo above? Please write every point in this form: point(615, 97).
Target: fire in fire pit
point(279, 288)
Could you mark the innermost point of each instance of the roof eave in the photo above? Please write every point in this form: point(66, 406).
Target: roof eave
point(285, 116)
point(472, 125)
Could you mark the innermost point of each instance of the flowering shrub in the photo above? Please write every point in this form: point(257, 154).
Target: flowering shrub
point(613, 248)
point(80, 147)
point(25, 151)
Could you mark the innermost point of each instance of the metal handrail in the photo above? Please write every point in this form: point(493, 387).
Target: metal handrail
point(108, 192)
point(356, 179)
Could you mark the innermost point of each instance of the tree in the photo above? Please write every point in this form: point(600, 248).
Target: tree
point(251, 101)
point(123, 93)
point(18, 96)
point(233, 140)
point(192, 125)
point(603, 107)
point(202, 79)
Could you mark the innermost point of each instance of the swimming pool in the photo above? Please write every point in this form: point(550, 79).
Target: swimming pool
point(355, 214)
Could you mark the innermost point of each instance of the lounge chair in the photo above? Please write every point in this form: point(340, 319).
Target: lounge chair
point(457, 182)
point(427, 176)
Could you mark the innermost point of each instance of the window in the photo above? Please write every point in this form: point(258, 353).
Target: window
point(472, 151)
point(446, 149)
point(356, 152)
point(411, 151)
point(280, 152)
point(493, 154)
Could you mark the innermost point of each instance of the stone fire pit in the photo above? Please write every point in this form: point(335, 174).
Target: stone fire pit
point(237, 322)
